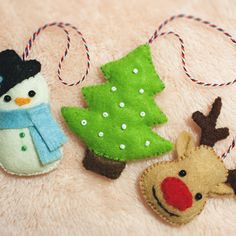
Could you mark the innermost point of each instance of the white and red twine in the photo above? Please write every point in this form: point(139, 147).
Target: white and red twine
point(155, 36)
point(63, 26)
point(158, 34)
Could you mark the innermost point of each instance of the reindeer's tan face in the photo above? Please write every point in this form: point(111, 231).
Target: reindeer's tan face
point(178, 190)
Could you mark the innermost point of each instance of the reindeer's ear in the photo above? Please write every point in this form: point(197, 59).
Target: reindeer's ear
point(184, 144)
point(221, 189)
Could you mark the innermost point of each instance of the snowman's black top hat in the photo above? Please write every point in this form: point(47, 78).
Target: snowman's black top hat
point(14, 70)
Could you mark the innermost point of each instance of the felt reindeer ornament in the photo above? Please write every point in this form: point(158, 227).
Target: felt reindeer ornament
point(178, 190)
point(30, 138)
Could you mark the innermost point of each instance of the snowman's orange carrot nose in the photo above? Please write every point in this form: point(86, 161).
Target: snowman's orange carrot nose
point(22, 101)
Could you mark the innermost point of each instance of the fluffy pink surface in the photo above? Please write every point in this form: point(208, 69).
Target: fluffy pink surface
point(73, 201)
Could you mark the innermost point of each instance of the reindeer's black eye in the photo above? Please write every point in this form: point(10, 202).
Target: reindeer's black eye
point(7, 98)
point(31, 93)
point(182, 173)
point(198, 196)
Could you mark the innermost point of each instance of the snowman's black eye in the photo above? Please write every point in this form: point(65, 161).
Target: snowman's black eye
point(7, 98)
point(31, 93)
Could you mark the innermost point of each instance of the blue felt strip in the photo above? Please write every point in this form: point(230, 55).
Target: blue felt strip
point(50, 132)
point(46, 156)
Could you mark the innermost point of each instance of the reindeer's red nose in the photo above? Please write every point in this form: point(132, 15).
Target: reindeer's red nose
point(176, 193)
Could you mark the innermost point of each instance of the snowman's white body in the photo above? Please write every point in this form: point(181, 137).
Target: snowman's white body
point(14, 160)
point(17, 152)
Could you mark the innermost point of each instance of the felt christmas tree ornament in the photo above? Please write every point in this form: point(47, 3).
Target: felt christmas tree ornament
point(178, 190)
point(109, 125)
point(31, 140)
point(117, 124)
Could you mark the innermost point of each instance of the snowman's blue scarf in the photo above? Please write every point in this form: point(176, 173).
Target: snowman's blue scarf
point(45, 132)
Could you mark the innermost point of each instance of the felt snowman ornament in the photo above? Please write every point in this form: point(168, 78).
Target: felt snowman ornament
point(30, 139)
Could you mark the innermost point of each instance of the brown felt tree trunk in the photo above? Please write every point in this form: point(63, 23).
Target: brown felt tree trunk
point(103, 166)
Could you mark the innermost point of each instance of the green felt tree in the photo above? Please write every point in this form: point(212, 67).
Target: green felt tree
point(117, 124)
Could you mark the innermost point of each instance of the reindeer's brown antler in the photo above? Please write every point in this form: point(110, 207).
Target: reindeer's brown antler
point(210, 135)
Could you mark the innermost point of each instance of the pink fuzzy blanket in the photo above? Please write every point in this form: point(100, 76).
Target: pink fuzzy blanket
point(73, 201)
